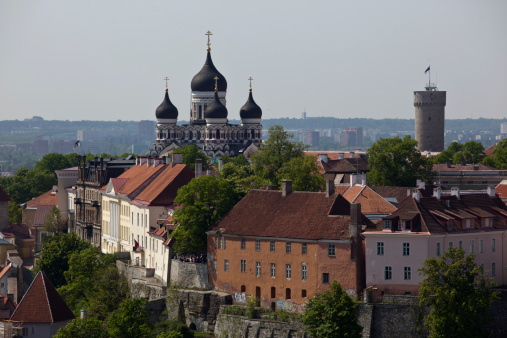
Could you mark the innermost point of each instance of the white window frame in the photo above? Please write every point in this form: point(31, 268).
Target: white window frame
point(380, 248)
point(288, 271)
point(304, 271)
point(258, 269)
point(388, 272)
point(243, 265)
point(407, 273)
point(406, 249)
point(272, 270)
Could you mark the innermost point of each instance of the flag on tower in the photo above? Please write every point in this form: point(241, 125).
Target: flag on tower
point(427, 70)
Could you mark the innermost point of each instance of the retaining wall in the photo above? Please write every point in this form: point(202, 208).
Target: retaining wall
point(190, 275)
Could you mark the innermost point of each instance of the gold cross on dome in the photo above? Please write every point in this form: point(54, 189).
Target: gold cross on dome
point(208, 33)
point(250, 79)
point(166, 79)
point(216, 83)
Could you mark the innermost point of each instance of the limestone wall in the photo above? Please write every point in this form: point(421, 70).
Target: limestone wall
point(229, 326)
point(190, 275)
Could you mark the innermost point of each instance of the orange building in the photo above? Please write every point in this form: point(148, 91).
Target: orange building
point(284, 247)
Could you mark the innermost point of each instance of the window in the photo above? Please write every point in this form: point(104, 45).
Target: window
point(215, 265)
point(243, 244)
point(273, 292)
point(304, 249)
point(407, 273)
point(331, 250)
point(225, 242)
point(407, 225)
point(257, 245)
point(493, 269)
point(304, 270)
point(451, 244)
point(243, 288)
point(388, 273)
point(438, 250)
point(220, 241)
point(380, 248)
point(257, 269)
point(303, 293)
point(406, 249)
point(387, 224)
point(482, 268)
point(272, 246)
point(288, 247)
point(137, 219)
point(226, 265)
point(472, 246)
point(398, 225)
point(325, 277)
point(287, 293)
point(273, 270)
point(460, 244)
point(481, 246)
point(243, 265)
point(493, 244)
point(287, 271)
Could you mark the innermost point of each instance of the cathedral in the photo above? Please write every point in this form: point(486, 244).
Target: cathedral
point(209, 128)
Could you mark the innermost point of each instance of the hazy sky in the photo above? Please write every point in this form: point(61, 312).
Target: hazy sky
point(106, 60)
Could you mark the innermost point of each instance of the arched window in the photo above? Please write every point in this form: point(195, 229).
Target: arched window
point(190, 135)
point(217, 134)
point(198, 135)
point(200, 112)
point(253, 133)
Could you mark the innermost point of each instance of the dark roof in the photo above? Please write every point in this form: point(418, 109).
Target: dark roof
point(299, 215)
point(42, 304)
point(400, 193)
point(41, 214)
point(250, 109)
point(3, 196)
point(166, 110)
point(462, 167)
point(216, 110)
point(349, 165)
point(204, 80)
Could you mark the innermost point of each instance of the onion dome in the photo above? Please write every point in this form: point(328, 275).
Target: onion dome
point(216, 110)
point(204, 80)
point(166, 110)
point(250, 109)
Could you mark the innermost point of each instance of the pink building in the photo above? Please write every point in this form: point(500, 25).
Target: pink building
point(425, 227)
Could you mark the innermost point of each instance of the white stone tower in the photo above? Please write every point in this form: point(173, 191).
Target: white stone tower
point(430, 118)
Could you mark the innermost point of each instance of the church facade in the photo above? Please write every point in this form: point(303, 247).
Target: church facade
point(209, 128)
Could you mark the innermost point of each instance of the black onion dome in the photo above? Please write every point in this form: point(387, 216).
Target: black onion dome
point(250, 109)
point(204, 80)
point(166, 110)
point(216, 110)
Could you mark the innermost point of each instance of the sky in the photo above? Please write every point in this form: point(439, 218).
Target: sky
point(106, 60)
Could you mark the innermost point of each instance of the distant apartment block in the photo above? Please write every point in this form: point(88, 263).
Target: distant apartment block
point(352, 137)
point(312, 138)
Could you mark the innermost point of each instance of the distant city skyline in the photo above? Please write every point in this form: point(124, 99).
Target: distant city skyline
point(107, 61)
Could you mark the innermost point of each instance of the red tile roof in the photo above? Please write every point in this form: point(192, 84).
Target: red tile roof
point(299, 215)
point(3, 196)
point(462, 167)
point(47, 198)
point(371, 202)
point(42, 304)
point(501, 189)
point(138, 175)
point(164, 188)
point(489, 151)
point(41, 213)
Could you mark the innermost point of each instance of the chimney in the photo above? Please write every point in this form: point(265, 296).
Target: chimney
point(355, 220)
point(149, 161)
point(363, 182)
point(476, 167)
point(352, 154)
point(220, 164)
point(416, 195)
point(455, 192)
point(353, 180)
point(168, 160)
point(143, 160)
point(177, 158)
point(421, 184)
point(449, 163)
point(54, 190)
point(84, 314)
point(491, 191)
point(138, 158)
point(286, 187)
point(157, 161)
point(101, 169)
point(323, 158)
point(437, 192)
point(198, 168)
point(329, 188)
point(341, 156)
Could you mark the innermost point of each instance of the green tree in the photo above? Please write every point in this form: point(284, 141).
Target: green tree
point(470, 152)
point(239, 160)
point(14, 211)
point(54, 222)
point(27, 184)
point(51, 162)
point(130, 320)
point(458, 294)
point(303, 172)
point(55, 255)
point(499, 156)
point(241, 174)
point(272, 154)
point(79, 328)
point(190, 153)
point(203, 202)
point(397, 162)
point(169, 327)
point(331, 313)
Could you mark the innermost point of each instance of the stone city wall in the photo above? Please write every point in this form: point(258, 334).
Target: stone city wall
point(231, 326)
point(189, 275)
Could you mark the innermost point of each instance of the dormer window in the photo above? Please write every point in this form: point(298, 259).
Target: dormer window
point(398, 225)
point(387, 224)
point(406, 225)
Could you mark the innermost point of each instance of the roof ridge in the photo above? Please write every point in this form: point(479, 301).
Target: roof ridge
point(47, 297)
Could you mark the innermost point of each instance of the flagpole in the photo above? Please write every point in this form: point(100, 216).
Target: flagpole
point(429, 77)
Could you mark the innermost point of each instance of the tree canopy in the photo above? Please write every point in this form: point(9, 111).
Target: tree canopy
point(54, 222)
point(303, 172)
point(79, 328)
point(499, 156)
point(274, 152)
point(203, 202)
point(470, 152)
point(130, 320)
point(190, 153)
point(457, 293)
point(331, 313)
point(397, 162)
